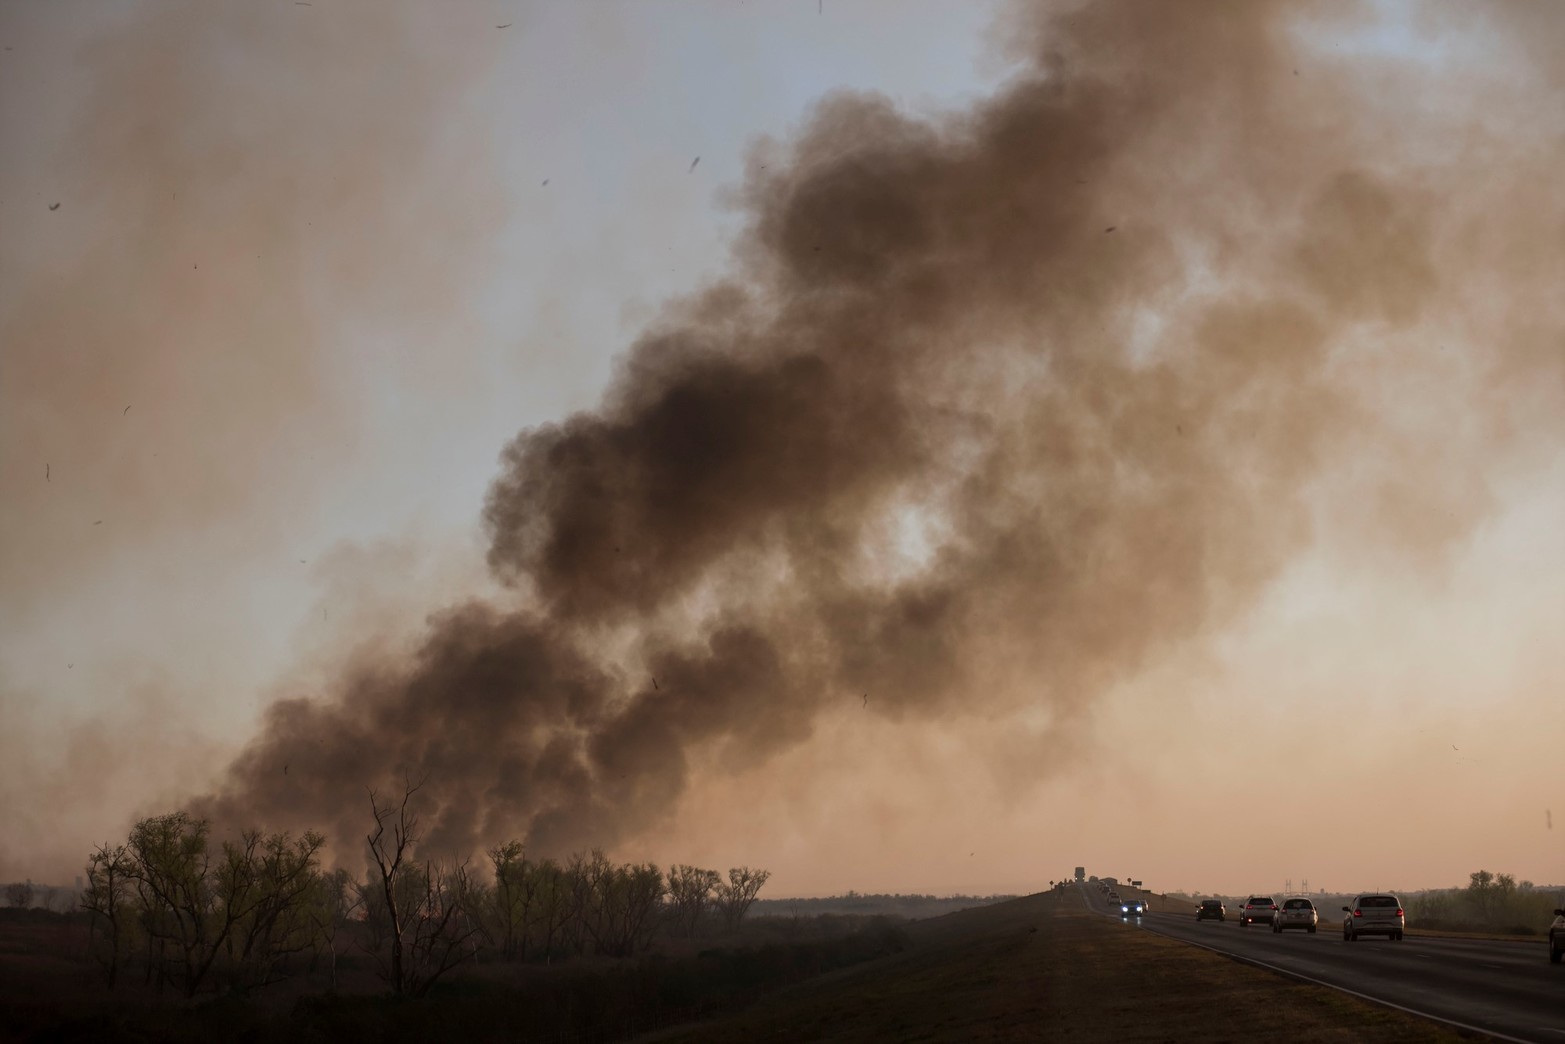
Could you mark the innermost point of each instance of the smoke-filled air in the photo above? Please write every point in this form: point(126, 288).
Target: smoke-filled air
point(1159, 419)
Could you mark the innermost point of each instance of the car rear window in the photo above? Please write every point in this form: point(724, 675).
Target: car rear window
point(1377, 900)
point(1261, 900)
point(1296, 904)
point(1213, 903)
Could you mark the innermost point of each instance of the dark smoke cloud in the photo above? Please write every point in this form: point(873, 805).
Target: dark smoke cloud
point(995, 409)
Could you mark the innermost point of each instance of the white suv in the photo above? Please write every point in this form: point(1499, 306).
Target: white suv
point(1296, 913)
point(1377, 914)
point(1258, 909)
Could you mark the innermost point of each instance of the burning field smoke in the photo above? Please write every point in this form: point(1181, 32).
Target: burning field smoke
point(993, 410)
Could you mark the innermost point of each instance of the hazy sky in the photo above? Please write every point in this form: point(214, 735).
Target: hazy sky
point(1132, 438)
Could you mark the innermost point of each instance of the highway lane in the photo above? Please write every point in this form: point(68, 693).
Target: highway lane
point(1507, 989)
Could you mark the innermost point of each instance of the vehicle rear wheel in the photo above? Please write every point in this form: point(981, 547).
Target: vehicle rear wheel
point(1312, 929)
point(1557, 952)
point(1276, 928)
point(1399, 936)
point(1347, 935)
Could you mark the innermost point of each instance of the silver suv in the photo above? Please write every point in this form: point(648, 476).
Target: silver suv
point(1377, 914)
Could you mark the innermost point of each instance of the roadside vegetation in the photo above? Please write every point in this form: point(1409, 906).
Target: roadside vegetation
point(1042, 968)
point(1490, 903)
point(180, 936)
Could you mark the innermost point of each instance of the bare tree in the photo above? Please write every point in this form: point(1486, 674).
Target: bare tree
point(619, 904)
point(735, 895)
point(330, 906)
point(554, 901)
point(19, 894)
point(690, 891)
point(422, 916)
point(389, 855)
point(107, 900)
point(510, 899)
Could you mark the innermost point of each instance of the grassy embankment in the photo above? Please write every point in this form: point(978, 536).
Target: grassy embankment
point(1043, 968)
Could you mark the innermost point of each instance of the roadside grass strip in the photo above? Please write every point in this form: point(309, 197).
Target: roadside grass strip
point(1042, 968)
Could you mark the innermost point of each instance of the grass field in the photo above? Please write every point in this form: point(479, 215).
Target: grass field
point(1035, 968)
point(1043, 968)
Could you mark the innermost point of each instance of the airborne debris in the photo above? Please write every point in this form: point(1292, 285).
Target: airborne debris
point(54, 206)
point(654, 685)
point(507, 25)
point(46, 477)
point(99, 522)
point(693, 164)
point(545, 181)
point(1111, 228)
point(124, 411)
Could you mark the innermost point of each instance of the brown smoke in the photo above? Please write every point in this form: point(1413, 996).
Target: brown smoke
point(995, 409)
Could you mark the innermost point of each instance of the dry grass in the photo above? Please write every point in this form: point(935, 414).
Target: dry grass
point(1041, 968)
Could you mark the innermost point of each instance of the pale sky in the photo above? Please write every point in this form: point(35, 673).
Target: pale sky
point(314, 266)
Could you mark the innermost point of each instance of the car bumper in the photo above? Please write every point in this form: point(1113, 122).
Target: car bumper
point(1376, 928)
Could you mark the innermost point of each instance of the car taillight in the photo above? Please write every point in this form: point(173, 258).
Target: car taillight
point(1399, 911)
point(1274, 906)
point(1358, 913)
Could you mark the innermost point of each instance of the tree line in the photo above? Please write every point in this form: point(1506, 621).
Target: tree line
point(181, 911)
point(1491, 901)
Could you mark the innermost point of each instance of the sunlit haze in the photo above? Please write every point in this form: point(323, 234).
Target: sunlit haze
point(910, 447)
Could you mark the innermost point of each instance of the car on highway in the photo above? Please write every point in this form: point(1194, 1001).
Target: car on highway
point(1296, 913)
point(1375, 913)
point(1113, 898)
point(1557, 938)
point(1132, 907)
point(1211, 910)
point(1258, 909)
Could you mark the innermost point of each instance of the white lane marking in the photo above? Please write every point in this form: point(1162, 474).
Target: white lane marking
point(1494, 1034)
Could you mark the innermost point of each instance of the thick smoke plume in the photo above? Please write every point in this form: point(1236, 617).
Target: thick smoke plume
point(994, 409)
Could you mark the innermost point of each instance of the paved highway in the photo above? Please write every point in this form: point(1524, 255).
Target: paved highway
point(1505, 989)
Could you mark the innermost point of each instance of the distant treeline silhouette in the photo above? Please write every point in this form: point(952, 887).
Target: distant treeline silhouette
point(179, 910)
